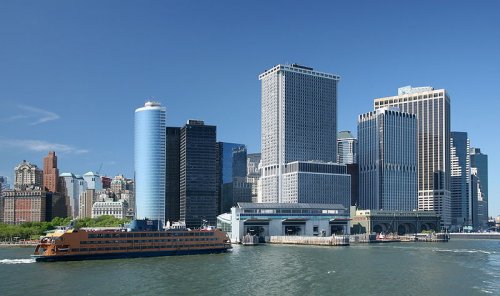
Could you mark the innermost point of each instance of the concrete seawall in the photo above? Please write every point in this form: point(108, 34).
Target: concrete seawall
point(341, 240)
point(489, 235)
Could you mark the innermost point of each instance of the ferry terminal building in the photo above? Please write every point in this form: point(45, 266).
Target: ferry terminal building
point(279, 219)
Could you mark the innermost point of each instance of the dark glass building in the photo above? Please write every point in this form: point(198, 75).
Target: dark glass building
point(461, 213)
point(479, 164)
point(232, 186)
point(198, 173)
point(172, 183)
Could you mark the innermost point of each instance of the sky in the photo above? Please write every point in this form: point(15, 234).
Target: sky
point(73, 72)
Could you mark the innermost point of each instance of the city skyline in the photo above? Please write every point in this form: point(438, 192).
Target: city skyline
point(84, 79)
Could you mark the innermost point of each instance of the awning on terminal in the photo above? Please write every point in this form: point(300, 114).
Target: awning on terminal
point(294, 220)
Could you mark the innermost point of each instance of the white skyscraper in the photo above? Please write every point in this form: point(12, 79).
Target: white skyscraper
point(150, 161)
point(432, 108)
point(299, 124)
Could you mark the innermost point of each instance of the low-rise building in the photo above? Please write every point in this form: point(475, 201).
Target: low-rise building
point(118, 209)
point(278, 219)
point(400, 222)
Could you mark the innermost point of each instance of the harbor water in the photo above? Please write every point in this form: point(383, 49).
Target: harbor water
point(458, 267)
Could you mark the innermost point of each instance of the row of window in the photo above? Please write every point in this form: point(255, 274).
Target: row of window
point(148, 234)
point(147, 241)
point(140, 248)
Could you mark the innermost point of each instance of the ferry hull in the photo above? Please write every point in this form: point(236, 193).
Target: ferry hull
point(41, 258)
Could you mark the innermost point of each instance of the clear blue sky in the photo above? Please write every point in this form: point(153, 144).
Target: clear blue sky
point(73, 72)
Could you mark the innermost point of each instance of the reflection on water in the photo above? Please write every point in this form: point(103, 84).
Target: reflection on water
point(459, 267)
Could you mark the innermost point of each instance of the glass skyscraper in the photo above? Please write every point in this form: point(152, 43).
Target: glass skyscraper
point(232, 185)
point(432, 108)
point(461, 214)
point(479, 162)
point(387, 160)
point(347, 148)
point(149, 161)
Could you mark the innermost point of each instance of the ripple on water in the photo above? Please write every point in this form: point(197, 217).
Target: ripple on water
point(16, 261)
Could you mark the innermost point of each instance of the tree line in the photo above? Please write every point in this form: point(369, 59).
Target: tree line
point(33, 230)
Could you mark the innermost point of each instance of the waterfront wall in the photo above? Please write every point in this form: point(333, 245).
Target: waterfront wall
point(337, 240)
point(489, 235)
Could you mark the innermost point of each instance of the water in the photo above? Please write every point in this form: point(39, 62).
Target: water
point(459, 267)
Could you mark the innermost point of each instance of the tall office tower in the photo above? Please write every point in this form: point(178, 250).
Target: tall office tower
point(432, 108)
point(461, 214)
point(477, 200)
point(253, 173)
point(299, 122)
point(27, 176)
point(3, 182)
point(149, 161)
point(50, 172)
point(232, 186)
point(387, 159)
point(173, 166)
point(479, 161)
point(347, 148)
point(70, 185)
point(197, 174)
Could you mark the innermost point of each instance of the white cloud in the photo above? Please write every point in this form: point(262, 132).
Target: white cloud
point(39, 115)
point(32, 115)
point(36, 145)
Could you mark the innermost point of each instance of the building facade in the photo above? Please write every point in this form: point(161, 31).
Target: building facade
point(173, 169)
point(117, 209)
point(347, 148)
point(198, 197)
point(387, 159)
point(93, 181)
point(27, 175)
point(312, 182)
point(50, 172)
point(299, 122)
point(278, 219)
point(479, 162)
point(253, 174)
point(461, 213)
point(149, 161)
point(87, 200)
point(432, 108)
point(232, 186)
point(71, 187)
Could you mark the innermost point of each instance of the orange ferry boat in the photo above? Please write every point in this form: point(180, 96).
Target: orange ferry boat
point(142, 238)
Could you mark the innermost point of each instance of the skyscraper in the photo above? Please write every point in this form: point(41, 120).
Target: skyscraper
point(198, 173)
point(461, 214)
point(232, 186)
point(432, 108)
point(149, 161)
point(299, 122)
point(253, 174)
point(347, 148)
point(387, 160)
point(50, 172)
point(173, 163)
point(479, 161)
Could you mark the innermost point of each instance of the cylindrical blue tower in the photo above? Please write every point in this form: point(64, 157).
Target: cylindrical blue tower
point(150, 161)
